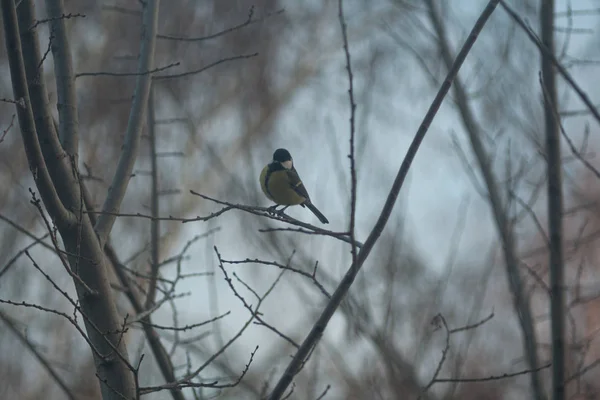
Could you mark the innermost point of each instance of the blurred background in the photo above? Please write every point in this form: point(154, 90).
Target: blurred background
point(281, 81)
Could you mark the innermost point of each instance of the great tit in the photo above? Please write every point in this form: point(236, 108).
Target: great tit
point(280, 182)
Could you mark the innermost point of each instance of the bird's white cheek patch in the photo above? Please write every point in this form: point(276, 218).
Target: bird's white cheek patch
point(287, 164)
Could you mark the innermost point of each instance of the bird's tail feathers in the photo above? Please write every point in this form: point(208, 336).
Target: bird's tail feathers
point(316, 211)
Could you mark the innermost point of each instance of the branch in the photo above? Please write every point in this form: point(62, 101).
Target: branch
point(248, 306)
point(57, 17)
point(352, 129)
point(134, 124)
point(65, 81)
point(439, 320)
point(35, 156)
point(122, 74)
point(202, 69)
point(266, 212)
point(78, 236)
point(312, 276)
point(249, 21)
point(5, 131)
point(495, 377)
point(154, 223)
point(555, 202)
point(344, 286)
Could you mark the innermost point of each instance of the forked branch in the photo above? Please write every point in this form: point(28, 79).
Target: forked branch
point(134, 124)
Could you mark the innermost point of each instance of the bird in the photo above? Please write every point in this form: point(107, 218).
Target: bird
point(280, 182)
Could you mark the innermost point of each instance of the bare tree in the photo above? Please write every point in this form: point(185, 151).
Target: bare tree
point(153, 195)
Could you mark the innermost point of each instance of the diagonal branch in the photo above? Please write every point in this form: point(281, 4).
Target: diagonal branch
point(340, 293)
point(134, 124)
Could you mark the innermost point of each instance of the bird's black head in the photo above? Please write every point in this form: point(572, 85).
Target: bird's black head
point(282, 155)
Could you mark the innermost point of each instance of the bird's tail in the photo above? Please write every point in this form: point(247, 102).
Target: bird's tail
point(316, 211)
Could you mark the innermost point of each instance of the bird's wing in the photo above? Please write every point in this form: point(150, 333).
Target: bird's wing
point(296, 183)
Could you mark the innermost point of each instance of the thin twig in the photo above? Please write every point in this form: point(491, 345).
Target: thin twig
point(154, 203)
point(352, 130)
point(249, 21)
point(121, 74)
point(206, 67)
point(5, 131)
point(494, 377)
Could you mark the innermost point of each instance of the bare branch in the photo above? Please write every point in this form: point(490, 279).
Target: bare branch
point(202, 69)
point(249, 21)
point(121, 74)
point(259, 298)
point(311, 276)
point(20, 102)
point(154, 223)
point(5, 131)
point(352, 130)
point(555, 202)
point(56, 17)
point(35, 156)
point(436, 321)
point(65, 82)
point(134, 125)
point(186, 327)
point(496, 377)
point(322, 396)
point(266, 212)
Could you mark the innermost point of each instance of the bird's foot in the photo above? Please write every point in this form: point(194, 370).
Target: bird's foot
point(274, 211)
point(281, 212)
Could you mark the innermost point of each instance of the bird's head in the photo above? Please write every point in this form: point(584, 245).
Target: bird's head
point(283, 157)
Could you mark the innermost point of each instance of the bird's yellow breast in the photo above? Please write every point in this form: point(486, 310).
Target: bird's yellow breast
point(276, 186)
